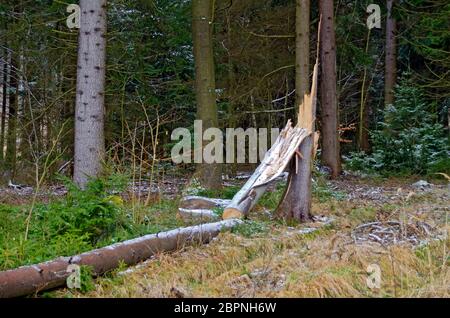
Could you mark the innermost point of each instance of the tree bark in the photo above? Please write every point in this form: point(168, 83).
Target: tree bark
point(275, 162)
point(302, 14)
point(391, 55)
point(205, 85)
point(296, 201)
point(363, 127)
point(3, 84)
point(329, 106)
point(11, 142)
point(90, 95)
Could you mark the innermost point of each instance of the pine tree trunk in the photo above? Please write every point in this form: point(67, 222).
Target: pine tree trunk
point(26, 136)
point(296, 202)
point(232, 115)
point(391, 55)
point(302, 50)
point(363, 127)
point(3, 85)
point(330, 116)
point(89, 107)
point(205, 86)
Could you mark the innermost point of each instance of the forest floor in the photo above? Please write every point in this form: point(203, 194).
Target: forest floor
point(365, 223)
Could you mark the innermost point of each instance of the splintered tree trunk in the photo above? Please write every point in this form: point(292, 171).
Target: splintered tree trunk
point(89, 108)
point(205, 86)
point(391, 55)
point(296, 202)
point(272, 166)
point(329, 107)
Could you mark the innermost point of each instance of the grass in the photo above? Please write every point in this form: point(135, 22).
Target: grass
point(264, 258)
point(281, 266)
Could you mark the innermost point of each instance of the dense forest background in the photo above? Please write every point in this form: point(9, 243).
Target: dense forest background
point(150, 81)
point(86, 122)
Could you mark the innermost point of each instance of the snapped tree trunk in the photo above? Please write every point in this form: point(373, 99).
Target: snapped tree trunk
point(210, 175)
point(272, 166)
point(11, 142)
point(391, 55)
point(90, 94)
point(296, 201)
point(328, 97)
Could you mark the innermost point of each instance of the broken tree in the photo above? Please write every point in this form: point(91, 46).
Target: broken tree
point(296, 201)
point(36, 278)
point(294, 149)
point(273, 165)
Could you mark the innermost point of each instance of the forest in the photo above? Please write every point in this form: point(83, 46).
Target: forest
point(224, 148)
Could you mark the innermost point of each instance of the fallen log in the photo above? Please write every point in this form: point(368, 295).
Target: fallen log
point(272, 166)
point(200, 209)
point(32, 279)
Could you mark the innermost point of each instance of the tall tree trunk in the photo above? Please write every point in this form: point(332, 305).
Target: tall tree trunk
point(3, 85)
point(330, 114)
point(24, 114)
point(89, 107)
point(205, 84)
point(296, 202)
point(232, 115)
point(391, 55)
point(363, 127)
point(302, 50)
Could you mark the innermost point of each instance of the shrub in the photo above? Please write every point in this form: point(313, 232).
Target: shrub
point(410, 140)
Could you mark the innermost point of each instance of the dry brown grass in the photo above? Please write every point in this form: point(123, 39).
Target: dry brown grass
point(328, 265)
